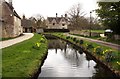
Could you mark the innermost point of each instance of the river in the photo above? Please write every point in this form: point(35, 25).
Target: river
point(64, 60)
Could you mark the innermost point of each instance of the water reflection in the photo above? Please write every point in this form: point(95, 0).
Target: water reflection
point(64, 60)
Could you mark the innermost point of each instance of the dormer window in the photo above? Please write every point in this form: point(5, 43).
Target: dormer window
point(63, 24)
point(53, 23)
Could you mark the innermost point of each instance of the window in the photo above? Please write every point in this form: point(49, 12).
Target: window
point(53, 23)
point(63, 24)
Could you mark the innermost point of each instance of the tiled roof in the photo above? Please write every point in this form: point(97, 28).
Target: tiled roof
point(11, 8)
point(58, 19)
point(26, 23)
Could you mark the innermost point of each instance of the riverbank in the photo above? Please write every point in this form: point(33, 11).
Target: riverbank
point(24, 59)
point(112, 65)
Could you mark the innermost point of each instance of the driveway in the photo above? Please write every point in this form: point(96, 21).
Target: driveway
point(10, 42)
point(108, 44)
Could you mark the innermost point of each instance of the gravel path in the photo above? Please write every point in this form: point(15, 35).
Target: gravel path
point(115, 46)
point(10, 42)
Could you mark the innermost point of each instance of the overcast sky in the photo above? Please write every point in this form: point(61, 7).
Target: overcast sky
point(48, 8)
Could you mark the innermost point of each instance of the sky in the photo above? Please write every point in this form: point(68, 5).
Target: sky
point(49, 8)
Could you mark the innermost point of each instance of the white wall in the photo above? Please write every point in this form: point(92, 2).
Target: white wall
point(17, 26)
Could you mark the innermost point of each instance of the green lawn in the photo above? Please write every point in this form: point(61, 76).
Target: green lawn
point(96, 31)
point(24, 59)
point(113, 63)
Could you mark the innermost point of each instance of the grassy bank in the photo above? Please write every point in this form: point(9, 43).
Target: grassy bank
point(24, 59)
point(99, 51)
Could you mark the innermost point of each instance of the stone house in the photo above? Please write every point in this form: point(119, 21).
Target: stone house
point(57, 22)
point(10, 20)
point(27, 25)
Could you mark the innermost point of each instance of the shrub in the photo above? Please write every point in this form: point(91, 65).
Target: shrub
point(98, 50)
point(77, 41)
point(109, 55)
point(89, 46)
point(81, 42)
point(74, 39)
point(67, 37)
point(71, 38)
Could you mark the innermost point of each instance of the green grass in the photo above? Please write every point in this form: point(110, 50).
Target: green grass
point(95, 31)
point(113, 64)
point(22, 60)
point(98, 31)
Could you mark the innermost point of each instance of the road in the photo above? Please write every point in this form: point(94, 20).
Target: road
point(6, 43)
point(108, 44)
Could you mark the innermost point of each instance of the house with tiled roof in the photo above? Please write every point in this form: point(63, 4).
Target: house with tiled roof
point(10, 20)
point(57, 22)
point(27, 25)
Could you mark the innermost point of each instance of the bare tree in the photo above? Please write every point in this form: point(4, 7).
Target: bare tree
point(76, 18)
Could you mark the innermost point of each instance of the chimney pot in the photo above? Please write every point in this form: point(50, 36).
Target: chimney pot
point(56, 14)
point(10, 2)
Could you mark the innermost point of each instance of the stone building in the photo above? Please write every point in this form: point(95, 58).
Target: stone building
point(27, 24)
point(57, 22)
point(10, 20)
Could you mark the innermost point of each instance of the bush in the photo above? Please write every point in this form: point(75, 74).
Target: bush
point(89, 46)
point(74, 39)
point(67, 37)
point(77, 41)
point(81, 42)
point(109, 55)
point(71, 38)
point(98, 50)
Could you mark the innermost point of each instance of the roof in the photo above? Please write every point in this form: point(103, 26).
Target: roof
point(58, 19)
point(11, 8)
point(26, 23)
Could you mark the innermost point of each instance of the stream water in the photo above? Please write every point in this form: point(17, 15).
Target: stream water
point(64, 60)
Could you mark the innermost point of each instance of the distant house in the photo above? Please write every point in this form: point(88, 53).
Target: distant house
point(57, 22)
point(27, 25)
point(10, 20)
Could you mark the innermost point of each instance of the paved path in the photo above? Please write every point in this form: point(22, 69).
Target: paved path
point(115, 46)
point(10, 42)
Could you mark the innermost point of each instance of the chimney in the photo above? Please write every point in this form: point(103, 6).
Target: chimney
point(56, 14)
point(10, 2)
point(66, 15)
point(23, 16)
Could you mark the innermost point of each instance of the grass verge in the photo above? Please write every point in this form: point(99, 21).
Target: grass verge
point(24, 59)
